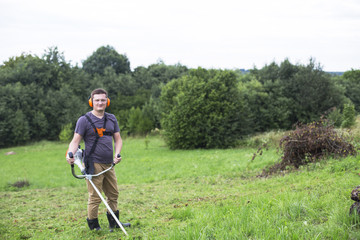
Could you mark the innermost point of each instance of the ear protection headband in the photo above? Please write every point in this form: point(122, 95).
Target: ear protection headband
point(91, 103)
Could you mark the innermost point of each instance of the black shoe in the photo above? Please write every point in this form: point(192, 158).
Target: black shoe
point(112, 222)
point(126, 224)
point(93, 224)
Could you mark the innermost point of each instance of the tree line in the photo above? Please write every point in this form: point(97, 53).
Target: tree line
point(42, 97)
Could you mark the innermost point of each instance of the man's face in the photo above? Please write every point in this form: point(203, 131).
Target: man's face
point(99, 102)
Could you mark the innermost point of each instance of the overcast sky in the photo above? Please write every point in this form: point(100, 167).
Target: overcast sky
point(224, 34)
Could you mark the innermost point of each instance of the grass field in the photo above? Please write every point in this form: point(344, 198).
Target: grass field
point(165, 194)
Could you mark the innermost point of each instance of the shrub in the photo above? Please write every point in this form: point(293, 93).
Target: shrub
point(67, 132)
point(138, 123)
point(203, 110)
point(348, 116)
point(335, 117)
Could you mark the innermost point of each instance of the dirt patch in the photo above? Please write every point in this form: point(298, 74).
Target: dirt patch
point(10, 153)
point(20, 184)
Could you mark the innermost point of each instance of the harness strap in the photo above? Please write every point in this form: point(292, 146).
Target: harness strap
point(99, 133)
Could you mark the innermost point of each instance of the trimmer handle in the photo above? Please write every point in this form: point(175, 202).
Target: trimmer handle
point(71, 155)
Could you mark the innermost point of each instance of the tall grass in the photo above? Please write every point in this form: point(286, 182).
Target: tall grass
point(196, 194)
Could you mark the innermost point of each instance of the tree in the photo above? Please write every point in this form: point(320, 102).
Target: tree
point(139, 90)
point(20, 128)
point(203, 109)
point(26, 69)
point(165, 73)
point(40, 97)
point(297, 93)
point(312, 93)
point(106, 56)
point(18, 113)
point(267, 108)
point(62, 107)
point(351, 81)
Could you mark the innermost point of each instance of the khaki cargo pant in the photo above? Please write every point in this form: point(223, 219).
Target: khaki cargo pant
point(106, 183)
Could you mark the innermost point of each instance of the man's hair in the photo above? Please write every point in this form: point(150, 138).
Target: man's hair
point(98, 91)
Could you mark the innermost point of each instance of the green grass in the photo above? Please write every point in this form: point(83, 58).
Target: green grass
point(165, 194)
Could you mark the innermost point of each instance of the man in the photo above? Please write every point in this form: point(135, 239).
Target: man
point(98, 129)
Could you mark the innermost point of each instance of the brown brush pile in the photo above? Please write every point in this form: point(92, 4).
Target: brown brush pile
point(310, 143)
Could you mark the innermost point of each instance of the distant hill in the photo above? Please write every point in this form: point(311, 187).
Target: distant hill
point(336, 73)
point(242, 70)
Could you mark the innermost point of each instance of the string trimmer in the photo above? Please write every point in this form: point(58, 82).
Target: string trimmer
point(79, 157)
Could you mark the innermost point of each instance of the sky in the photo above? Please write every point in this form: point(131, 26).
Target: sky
point(223, 34)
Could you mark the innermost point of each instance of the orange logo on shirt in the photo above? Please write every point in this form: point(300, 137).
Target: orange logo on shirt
point(100, 131)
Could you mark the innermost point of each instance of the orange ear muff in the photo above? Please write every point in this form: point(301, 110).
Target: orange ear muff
point(91, 104)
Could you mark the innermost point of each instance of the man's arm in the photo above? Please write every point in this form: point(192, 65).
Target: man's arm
point(73, 146)
point(118, 146)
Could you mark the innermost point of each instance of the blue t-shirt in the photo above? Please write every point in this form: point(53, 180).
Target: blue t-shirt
point(103, 152)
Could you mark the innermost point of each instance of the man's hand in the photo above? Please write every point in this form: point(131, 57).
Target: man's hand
point(117, 158)
point(70, 160)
